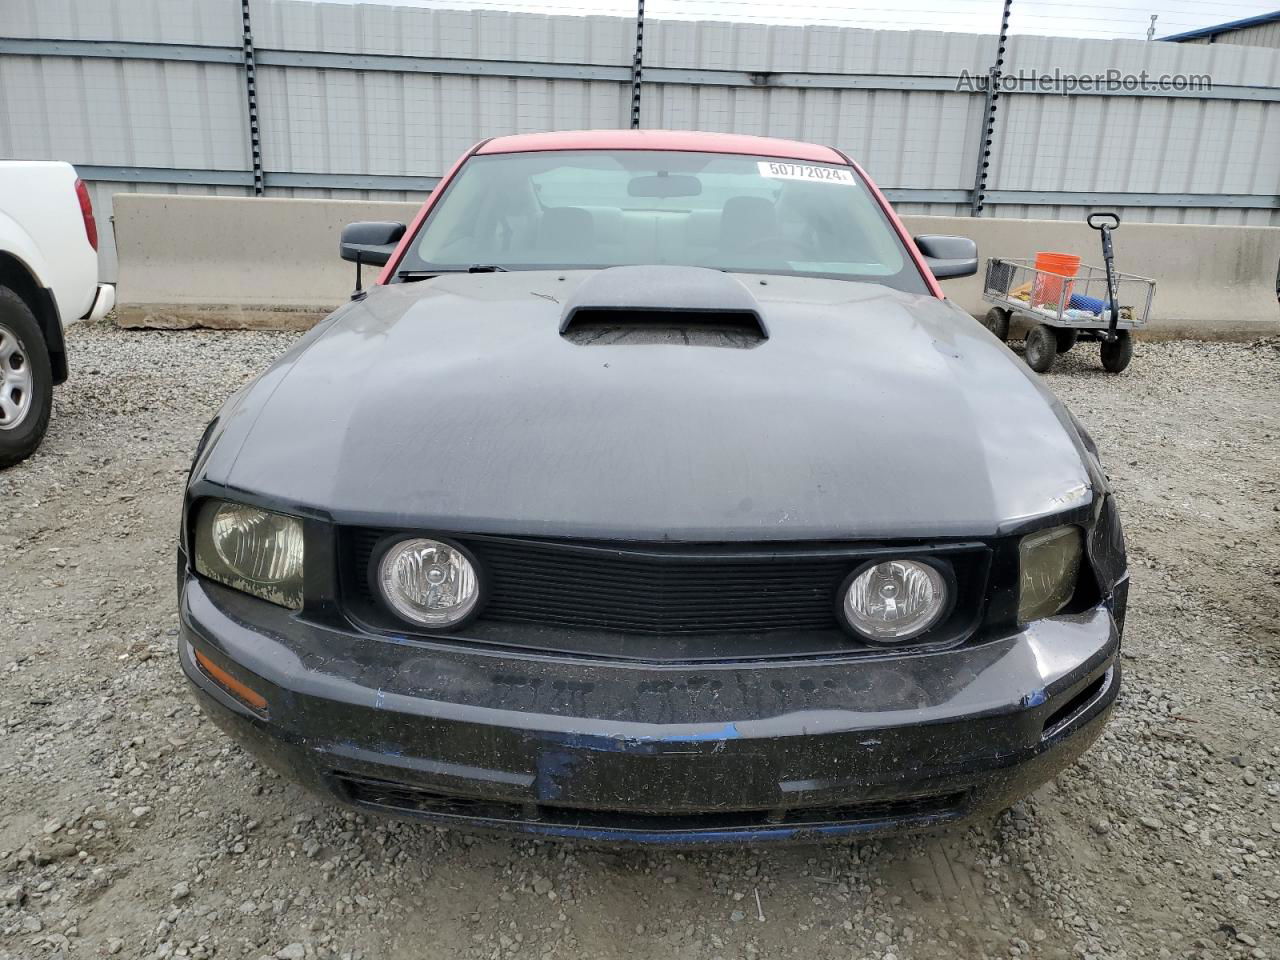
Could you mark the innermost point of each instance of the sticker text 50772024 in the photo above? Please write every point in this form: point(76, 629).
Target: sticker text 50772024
point(780, 170)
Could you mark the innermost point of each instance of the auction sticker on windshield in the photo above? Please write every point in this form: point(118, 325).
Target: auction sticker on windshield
point(806, 171)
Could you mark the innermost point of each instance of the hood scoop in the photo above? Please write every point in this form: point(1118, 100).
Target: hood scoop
point(694, 306)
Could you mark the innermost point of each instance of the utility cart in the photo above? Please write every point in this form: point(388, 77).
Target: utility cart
point(1095, 304)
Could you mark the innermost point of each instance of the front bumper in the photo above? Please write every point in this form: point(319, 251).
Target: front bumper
point(663, 754)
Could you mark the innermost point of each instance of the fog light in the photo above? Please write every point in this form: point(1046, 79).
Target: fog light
point(429, 582)
point(895, 600)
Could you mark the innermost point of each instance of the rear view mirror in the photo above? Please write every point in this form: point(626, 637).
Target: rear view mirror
point(370, 241)
point(664, 185)
point(949, 257)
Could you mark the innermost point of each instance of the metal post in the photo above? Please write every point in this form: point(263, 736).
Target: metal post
point(989, 117)
point(637, 66)
point(1151, 30)
point(251, 88)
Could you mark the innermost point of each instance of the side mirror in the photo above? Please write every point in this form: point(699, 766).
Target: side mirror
point(370, 241)
point(949, 257)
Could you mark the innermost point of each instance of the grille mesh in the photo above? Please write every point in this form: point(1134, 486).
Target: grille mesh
point(668, 594)
point(608, 588)
point(645, 589)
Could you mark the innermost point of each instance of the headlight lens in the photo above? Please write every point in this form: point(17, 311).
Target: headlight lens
point(428, 582)
point(895, 600)
point(1050, 563)
point(256, 551)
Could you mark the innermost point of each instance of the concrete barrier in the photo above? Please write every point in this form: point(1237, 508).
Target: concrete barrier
point(236, 261)
point(259, 262)
point(1211, 282)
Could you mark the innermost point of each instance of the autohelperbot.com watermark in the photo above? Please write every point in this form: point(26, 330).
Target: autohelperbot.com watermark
point(1065, 83)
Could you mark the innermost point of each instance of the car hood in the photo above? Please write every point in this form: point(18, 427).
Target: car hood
point(456, 405)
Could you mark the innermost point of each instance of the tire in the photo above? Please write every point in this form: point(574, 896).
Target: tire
point(1117, 354)
point(997, 321)
point(1042, 347)
point(1066, 339)
point(26, 380)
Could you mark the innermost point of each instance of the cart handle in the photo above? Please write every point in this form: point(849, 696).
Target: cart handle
point(1101, 217)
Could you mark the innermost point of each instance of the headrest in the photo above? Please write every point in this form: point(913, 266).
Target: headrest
point(745, 220)
point(566, 227)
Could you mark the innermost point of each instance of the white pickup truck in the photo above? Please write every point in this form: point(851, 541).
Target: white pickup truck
point(48, 279)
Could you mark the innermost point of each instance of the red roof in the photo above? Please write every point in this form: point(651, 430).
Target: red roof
point(662, 140)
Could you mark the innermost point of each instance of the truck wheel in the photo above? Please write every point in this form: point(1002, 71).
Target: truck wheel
point(1117, 354)
point(997, 321)
point(26, 381)
point(1042, 347)
point(1066, 339)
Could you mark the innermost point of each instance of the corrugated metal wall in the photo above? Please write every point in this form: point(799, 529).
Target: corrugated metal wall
point(1197, 147)
point(372, 101)
point(1259, 35)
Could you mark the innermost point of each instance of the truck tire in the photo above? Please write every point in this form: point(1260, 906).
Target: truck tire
point(1117, 354)
point(1041, 347)
point(26, 380)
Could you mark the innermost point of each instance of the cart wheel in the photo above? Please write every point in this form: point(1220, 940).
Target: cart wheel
point(1117, 354)
point(1066, 339)
point(1042, 347)
point(997, 321)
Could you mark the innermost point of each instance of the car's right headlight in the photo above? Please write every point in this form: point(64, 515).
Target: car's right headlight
point(253, 550)
point(1050, 565)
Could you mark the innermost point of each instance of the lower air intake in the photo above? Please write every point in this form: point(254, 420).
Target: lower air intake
point(407, 799)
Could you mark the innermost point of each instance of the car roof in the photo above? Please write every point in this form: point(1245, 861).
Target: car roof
point(682, 140)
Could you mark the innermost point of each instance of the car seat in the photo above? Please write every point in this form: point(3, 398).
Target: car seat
point(745, 222)
point(566, 233)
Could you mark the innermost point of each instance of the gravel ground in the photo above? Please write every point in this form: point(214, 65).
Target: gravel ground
point(129, 826)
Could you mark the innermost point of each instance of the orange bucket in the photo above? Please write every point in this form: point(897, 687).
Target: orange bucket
point(1048, 290)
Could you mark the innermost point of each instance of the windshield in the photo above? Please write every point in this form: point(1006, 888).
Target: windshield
point(604, 208)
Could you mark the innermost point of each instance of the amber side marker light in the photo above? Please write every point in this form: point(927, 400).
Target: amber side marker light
point(244, 694)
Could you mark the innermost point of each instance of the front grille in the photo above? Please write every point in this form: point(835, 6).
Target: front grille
point(659, 593)
point(405, 798)
point(652, 588)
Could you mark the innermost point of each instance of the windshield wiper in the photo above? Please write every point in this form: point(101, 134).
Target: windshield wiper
point(474, 268)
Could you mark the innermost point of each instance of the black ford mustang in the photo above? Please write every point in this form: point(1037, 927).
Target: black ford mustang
point(654, 493)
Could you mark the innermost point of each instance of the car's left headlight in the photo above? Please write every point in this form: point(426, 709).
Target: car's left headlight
point(253, 550)
point(1050, 565)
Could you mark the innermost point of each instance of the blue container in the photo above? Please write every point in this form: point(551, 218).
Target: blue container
point(1080, 302)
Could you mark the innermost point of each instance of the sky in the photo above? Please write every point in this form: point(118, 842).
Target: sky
point(1128, 19)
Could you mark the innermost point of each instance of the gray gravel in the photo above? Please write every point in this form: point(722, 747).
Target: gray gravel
point(130, 827)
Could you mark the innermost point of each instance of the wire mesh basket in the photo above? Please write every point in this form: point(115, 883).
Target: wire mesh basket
point(1079, 302)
